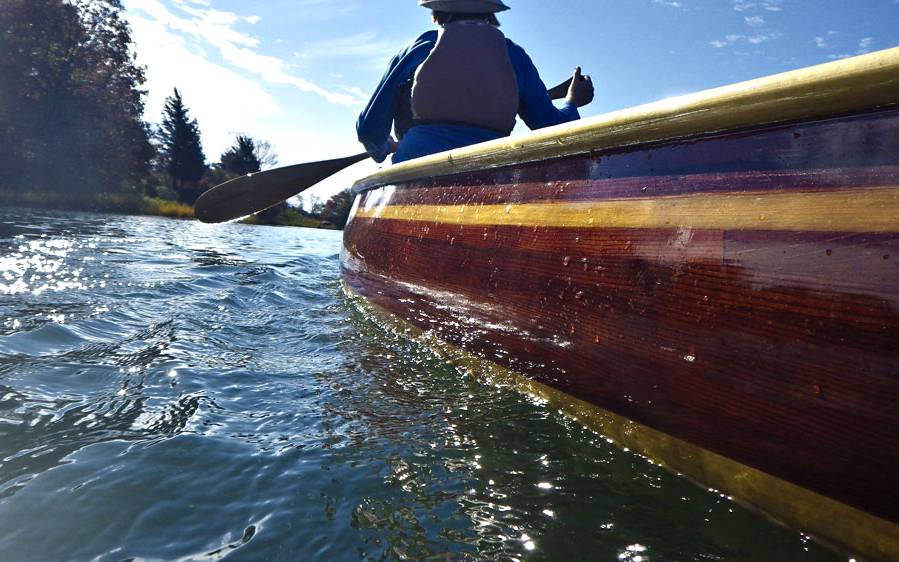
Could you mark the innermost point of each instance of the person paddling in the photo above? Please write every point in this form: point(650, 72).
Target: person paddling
point(459, 86)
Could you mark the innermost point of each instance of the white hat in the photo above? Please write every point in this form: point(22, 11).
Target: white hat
point(464, 6)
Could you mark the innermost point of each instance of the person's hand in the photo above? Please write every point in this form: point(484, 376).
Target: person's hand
point(580, 93)
point(392, 145)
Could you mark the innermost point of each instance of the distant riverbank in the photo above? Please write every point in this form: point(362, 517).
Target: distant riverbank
point(127, 204)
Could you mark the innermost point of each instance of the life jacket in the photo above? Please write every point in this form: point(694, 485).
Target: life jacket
point(467, 79)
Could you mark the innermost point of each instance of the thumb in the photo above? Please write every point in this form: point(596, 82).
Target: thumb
point(577, 74)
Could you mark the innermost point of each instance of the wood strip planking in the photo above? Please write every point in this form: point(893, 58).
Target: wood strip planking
point(769, 258)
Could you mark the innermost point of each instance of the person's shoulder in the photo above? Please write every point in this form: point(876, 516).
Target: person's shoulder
point(427, 38)
point(516, 51)
point(418, 48)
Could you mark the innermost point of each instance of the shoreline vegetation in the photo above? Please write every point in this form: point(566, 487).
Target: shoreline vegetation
point(143, 205)
point(102, 203)
point(73, 128)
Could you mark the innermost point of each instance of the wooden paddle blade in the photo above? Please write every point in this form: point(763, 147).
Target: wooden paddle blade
point(257, 192)
point(561, 91)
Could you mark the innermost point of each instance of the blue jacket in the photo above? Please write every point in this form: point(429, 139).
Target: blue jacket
point(392, 103)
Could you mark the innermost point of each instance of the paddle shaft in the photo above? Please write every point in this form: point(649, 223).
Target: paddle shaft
point(561, 91)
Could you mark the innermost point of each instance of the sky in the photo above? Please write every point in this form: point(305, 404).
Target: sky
point(296, 73)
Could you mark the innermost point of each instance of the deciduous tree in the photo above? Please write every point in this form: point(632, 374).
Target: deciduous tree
point(71, 102)
point(337, 209)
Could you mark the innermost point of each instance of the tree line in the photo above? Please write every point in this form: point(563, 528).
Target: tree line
point(72, 129)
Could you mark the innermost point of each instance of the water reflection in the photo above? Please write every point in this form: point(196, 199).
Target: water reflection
point(485, 473)
point(210, 258)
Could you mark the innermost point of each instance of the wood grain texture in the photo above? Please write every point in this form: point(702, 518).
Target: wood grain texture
point(773, 344)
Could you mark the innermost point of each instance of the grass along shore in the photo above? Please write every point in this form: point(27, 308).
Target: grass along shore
point(128, 204)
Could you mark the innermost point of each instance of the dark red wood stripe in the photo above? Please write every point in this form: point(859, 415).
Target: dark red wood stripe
point(771, 257)
point(645, 186)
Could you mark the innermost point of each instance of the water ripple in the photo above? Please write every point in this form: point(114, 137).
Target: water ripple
point(175, 391)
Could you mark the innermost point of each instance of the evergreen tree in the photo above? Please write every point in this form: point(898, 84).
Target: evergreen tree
point(242, 158)
point(181, 150)
point(70, 99)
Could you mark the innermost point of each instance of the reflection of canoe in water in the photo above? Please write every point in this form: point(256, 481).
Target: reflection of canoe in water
point(711, 280)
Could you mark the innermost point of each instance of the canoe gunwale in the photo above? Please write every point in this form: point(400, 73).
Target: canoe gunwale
point(857, 85)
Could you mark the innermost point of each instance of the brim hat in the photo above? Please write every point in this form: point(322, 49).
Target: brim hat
point(464, 6)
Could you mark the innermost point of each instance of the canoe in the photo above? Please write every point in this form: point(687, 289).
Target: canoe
point(711, 281)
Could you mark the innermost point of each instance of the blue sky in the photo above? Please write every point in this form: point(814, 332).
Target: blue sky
point(297, 72)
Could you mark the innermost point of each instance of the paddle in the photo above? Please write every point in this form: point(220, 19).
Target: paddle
point(257, 192)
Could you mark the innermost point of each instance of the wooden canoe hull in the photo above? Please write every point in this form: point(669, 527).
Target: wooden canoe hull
point(764, 335)
point(727, 304)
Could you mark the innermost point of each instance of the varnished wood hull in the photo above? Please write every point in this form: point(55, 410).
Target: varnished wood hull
point(732, 296)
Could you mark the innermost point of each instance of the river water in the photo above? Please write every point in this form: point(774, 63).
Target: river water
point(176, 391)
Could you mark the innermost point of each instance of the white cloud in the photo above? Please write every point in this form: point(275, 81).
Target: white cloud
point(211, 91)
point(323, 10)
point(764, 5)
point(365, 46)
point(669, 3)
point(864, 46)
point(760, 31)
point(355, 91)
point(741, 39)
point(754, 21)
point(216, 28)
point(206, 57)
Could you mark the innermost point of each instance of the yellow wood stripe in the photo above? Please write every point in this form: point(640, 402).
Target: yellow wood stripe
point(830, 521)
point(856, 210)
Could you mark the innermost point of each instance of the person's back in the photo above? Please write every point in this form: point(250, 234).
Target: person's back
point(467, 79)
point(461, 86)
